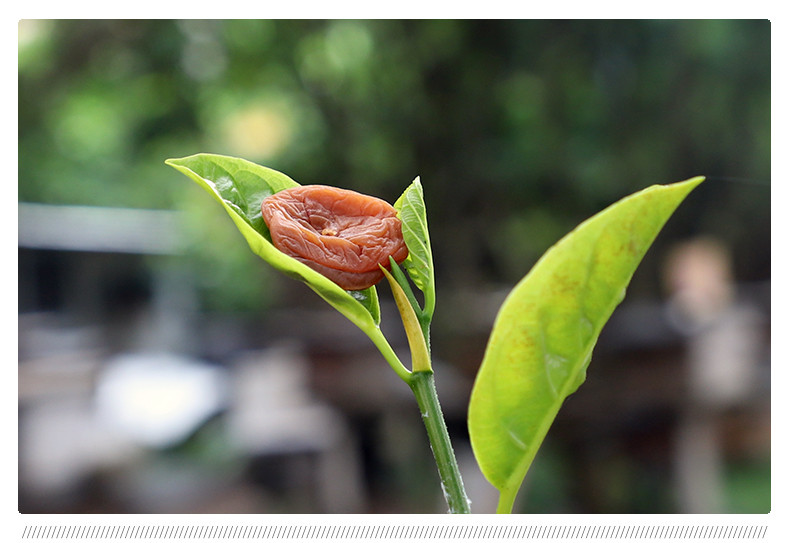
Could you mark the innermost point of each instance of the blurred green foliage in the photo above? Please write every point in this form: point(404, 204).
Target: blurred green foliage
point(748, 487)
point(518, 129)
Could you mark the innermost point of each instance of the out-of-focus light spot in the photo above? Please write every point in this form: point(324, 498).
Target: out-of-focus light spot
point(82, 127)
point(203, 60)
point(32, 30)
point(261, 131)
point(159, 400)
point(331, 57)
point(34, 44)
point(348, 45)
point(204, 57)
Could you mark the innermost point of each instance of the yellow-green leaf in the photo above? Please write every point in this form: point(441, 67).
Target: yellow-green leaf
point(420, 359)
point(419, 264)
point(544, 334)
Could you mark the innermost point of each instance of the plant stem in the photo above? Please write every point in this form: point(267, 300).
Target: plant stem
point(422, 384)
point(381, 343)
point(507, 498)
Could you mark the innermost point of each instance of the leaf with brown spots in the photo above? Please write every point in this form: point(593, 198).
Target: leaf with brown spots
point(544, 334)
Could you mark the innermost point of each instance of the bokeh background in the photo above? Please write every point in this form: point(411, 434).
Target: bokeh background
point(163, 368)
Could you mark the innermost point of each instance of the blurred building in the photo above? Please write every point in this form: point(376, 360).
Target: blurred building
point(163, 369)
point(133, 401)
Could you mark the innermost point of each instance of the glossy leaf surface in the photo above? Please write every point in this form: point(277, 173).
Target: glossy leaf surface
point(544, 334)
point(240, 186)
point(419, 263)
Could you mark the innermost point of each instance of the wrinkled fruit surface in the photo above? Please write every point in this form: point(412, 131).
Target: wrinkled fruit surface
point(339, 233)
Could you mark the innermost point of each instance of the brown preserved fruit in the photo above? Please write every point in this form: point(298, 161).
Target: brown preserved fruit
point(339, 233)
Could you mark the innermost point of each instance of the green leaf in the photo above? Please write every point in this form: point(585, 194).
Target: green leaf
point(419, 264)
point(369, 300)
point(544, 334)
point(240, 186)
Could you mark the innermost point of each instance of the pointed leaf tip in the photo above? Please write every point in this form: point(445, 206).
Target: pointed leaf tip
point(545, 331)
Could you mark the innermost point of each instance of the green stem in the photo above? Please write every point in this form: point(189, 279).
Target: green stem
point(507, 497)
point(422, 384)
point(381, 343)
